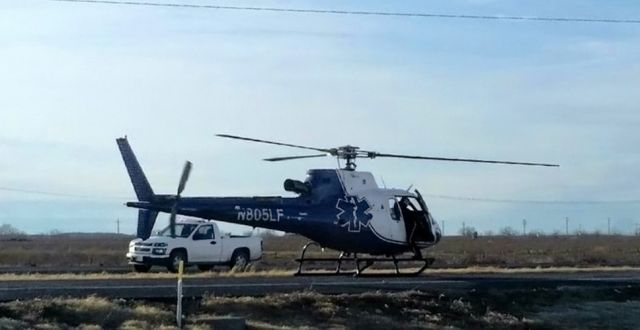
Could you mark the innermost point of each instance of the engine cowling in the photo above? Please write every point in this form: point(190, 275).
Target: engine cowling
point(296, 186)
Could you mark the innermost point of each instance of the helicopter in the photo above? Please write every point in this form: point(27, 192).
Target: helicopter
point(341, 209)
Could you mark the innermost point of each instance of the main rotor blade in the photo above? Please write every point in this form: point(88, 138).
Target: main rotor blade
point(273, 142)
point(375, 154)
point(185, 176)
point(277, 159)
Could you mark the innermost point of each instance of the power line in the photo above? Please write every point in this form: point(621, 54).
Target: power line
point(530, 201)
point(363, 13)
point(449, 197)
point(57, 194)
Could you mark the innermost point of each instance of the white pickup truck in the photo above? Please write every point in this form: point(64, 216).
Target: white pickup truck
point(196, 242)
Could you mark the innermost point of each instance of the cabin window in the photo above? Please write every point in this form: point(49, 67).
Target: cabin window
point(394, 210)
point(204, 232)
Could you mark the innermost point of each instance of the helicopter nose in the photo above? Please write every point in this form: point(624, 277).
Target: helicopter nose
point(438, 231)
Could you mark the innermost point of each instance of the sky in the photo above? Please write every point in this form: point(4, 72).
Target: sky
point(75, 76)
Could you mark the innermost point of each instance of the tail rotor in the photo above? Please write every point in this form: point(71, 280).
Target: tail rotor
point(174, 210)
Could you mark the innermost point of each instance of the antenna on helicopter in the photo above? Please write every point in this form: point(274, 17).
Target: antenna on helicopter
point(351, 153)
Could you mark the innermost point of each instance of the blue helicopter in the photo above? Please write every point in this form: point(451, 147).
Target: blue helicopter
point(341, 209)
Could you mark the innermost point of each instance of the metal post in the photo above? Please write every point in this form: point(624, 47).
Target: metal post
point(179, 294)
point(608, 226)
point(566, 225)
point(118, 226)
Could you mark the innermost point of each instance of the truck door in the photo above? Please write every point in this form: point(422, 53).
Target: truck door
point(205, 248)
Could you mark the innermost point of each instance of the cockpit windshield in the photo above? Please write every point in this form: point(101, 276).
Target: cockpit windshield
point(182, 230)
point(417, 219)
point(406, 204)
point(411, 204)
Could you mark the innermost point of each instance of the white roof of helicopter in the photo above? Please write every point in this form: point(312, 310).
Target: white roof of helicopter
point(356, 182)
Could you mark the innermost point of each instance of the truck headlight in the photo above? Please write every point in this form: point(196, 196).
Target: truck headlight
point(159, 251)
point(159, 244)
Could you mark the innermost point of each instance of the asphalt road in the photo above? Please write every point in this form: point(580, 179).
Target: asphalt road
point(196, 287)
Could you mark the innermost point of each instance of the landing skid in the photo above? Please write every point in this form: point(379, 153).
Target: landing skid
point(361, 264)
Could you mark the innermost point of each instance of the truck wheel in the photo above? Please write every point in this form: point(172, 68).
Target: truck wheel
point(239, 260)
point(141, 268)
point(205, 268)
point(174, 260)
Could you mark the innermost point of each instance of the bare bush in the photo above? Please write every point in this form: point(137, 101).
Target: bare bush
point(468, 232)
point(9, 230)
point(508, 231)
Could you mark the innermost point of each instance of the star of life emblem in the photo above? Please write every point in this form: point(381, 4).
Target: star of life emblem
point(353, 213)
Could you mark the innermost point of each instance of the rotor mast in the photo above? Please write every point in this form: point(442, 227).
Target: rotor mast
point(349, 154)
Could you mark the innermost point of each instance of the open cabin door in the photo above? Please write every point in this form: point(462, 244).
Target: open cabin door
point(431, 224)
point(417, 220)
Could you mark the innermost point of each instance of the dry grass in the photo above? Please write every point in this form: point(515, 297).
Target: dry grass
point(116, 276)
point(531, 251)
point(573, 308)
point(87, 313)
point(530, 270)
point(98, 252)
point(374, 310)
point(290, 272)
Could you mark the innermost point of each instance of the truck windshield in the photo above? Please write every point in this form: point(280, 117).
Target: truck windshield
point(182, 230)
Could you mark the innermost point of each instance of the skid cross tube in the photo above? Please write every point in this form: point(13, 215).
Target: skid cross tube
point(360, 264)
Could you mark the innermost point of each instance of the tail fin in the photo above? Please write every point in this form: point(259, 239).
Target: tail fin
point(138, 179)
point(146, 220)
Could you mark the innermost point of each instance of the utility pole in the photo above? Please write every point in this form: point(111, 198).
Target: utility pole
point(566, 225)
point(118, 226)
point(608, 226)
point(524, 227)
